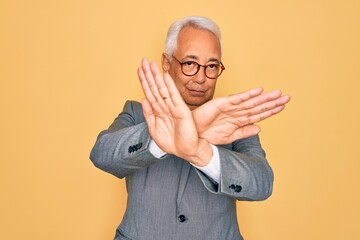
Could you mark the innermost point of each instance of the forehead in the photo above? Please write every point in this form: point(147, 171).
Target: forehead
point(197, 42)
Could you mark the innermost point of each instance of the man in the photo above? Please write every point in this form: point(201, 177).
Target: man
point(187, 157)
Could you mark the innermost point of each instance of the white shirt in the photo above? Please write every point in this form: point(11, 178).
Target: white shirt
point(212, 169)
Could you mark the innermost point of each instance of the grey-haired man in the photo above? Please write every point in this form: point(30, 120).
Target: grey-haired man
point(188, 157)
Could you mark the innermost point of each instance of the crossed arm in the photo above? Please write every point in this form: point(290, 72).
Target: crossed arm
point(188, 134)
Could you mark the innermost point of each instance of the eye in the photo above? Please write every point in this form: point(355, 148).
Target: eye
point(213, 66)
point(189, 64)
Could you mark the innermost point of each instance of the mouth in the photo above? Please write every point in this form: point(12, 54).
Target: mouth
point(196, 92)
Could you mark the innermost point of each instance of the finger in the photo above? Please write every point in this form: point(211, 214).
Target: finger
point(244, 96)
point(161, 86)
point(263, 98)
point(264, 115)
point(147, 92)
point(269, 105)
point(145, 86)
point(173, 91)
point(153, 95)
point(261, 112)
point(150, 78)
point(148, 113)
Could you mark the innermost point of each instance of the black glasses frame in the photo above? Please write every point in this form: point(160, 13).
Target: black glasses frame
point(222, 67)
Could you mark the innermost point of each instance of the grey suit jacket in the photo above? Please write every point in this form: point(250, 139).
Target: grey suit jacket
point(168, 199)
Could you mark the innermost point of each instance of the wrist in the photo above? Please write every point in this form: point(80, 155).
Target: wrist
point(203, 154)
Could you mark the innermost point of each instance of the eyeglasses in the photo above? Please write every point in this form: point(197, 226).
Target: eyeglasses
point(191, 68)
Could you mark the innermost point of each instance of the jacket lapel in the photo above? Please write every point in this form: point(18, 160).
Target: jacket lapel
point(184, 175)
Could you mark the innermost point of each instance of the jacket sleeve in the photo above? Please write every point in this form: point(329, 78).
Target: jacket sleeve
point(245, 172)
point(124, 147)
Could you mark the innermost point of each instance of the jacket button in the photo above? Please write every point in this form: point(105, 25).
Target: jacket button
point(182, 218)
point(237, 188)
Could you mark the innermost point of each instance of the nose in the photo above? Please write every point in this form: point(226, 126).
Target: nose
point(200, 77)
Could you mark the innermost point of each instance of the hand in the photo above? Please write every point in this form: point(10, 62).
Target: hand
point(170, 121)
point(226, 119)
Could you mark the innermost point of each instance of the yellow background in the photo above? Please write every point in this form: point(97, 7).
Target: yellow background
point(67, 67)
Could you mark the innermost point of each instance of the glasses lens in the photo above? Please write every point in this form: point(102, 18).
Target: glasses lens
point(213, 70)
point(190, 68)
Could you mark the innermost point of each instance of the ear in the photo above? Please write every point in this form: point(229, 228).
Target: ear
point(165, 62)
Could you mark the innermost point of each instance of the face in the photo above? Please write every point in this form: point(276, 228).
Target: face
point(202, 47)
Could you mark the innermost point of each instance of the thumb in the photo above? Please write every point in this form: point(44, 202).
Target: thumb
point(246, 131)
point(148, 112)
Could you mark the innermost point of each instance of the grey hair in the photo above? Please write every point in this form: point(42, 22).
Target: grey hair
point(193, 21)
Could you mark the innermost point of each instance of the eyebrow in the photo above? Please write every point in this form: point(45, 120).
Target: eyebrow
point(197, 58)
